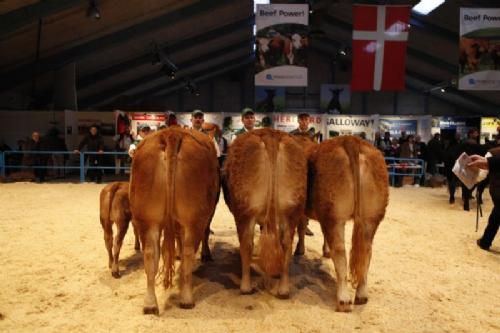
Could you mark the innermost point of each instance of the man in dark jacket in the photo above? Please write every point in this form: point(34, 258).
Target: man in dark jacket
point(493, 164)
point(94, 143)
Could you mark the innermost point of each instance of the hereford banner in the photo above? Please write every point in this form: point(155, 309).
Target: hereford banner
point(352, 125)
point(479, 58)
point(379, 40)
point(280, 58)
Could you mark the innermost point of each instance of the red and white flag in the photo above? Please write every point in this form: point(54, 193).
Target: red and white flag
point(380, 36)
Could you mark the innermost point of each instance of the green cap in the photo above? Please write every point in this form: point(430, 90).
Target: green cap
point(197, 112)
point(246, 111)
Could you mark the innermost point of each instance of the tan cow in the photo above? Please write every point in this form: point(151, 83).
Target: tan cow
point(349, 181)
point(115, 209)
point(174, 187)
point(265, 182)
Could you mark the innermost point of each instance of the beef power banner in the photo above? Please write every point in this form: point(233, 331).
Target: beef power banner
point(280, 55)
point(479, 58)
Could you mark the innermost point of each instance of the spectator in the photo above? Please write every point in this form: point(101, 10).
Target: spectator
point(143, 132)
point(435, 153)
point(122, 145)
point(248, 119)
point(94, 143)
point(38, 161)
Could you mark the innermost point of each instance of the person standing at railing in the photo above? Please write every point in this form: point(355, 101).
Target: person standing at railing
point(122, 144)
point(408, 150)
point(94, 143)
point(36, 160)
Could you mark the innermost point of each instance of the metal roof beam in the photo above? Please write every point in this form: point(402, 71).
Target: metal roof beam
point(178, 46)
point(25, 72)
point(146, 79)
point(18, 18)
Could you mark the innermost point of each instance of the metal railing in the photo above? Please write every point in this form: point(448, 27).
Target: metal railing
point(5, 165)
point(413, 167)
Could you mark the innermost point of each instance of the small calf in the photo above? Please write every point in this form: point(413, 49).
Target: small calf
point(115, 208)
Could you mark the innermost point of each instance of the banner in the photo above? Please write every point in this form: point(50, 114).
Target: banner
point(335, 98)
point(281, 45)
point(379, 40)
point(479, 52)
point(269, 99)
point(397, 125)
point(490, 128)
point(352, 125)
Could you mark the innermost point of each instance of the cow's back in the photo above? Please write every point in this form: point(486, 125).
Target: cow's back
point(257, 159)
point(334, 184)
point(189, 177)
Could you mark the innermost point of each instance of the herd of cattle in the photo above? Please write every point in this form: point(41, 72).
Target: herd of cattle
point(270, 178)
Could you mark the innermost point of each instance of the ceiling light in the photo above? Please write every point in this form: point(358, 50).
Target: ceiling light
point(443, 90)
point(93, 11)
point(424, 7)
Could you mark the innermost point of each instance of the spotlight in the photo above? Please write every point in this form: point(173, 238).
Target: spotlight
point(160, 58)
point(93, 11)
point(443, 90)
point(192, 87)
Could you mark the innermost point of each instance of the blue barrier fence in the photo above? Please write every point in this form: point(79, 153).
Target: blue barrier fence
point(17, 155)
point(396, 166)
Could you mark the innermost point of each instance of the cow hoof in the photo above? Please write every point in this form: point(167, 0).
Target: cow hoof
point(206, 258)
point(116, 275)
point(283, 296)
point(186, 305)
point(247, 292)
point(344, 306)
point(151, 310)
point(360, 300)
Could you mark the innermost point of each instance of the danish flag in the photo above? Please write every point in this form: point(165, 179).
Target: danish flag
point(380, 37)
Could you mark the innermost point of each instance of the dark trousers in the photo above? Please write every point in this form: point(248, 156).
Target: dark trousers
point(94, 173)
point(491, 229)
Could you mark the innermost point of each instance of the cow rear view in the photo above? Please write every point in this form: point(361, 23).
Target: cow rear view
point(265, 183)
point(173, 191)
point(350, 181)
point(115, 209)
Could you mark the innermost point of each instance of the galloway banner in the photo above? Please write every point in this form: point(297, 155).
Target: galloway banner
point(288, 122)
point(379, 40)
point(352, 125)
point(479, 52)
point(281, 45)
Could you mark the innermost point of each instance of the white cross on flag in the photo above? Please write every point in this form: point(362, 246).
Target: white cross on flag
point(380, 36)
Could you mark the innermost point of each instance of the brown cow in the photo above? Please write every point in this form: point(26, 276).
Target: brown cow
point(265, 182)
point(173, 190)
point(349, 181)
point(115, 209)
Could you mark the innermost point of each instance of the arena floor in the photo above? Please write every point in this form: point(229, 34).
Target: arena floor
point(427, 273)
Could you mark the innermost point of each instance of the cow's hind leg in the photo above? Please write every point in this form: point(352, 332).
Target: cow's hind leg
point(245, 235)
point(137, 244)
point(187, 259)
point(108, 241)
point(334, 234)
point(301, 231)
point(362, 239)
point(117, 246)
point(151, 247)
point(284, 283)
point(205, 249)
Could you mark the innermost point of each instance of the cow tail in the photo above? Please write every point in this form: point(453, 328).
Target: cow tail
point(357, 257)
point(173, 144)
point(271, 251)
